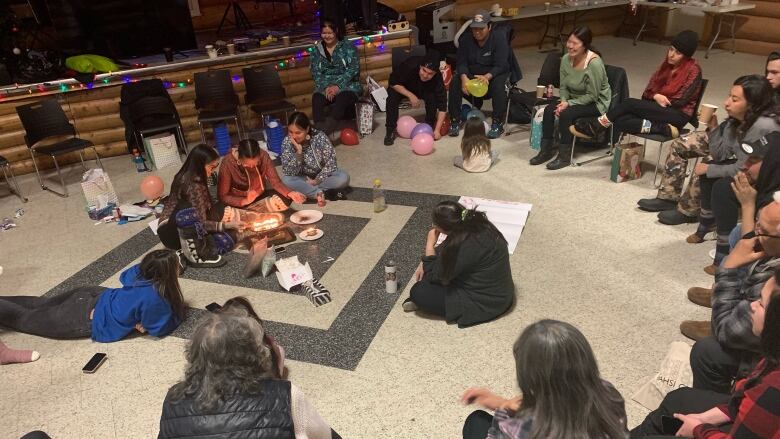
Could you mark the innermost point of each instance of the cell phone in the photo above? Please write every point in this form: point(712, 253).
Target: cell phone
point(670, 425)
point(213, 307)
point(94, 363)
point(280, 250)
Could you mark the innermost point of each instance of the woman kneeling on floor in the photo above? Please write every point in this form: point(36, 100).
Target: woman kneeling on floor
point(149, 301)
point(229, 389)
point(466, 278)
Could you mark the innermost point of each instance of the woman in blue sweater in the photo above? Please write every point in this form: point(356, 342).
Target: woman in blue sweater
point(149, 300)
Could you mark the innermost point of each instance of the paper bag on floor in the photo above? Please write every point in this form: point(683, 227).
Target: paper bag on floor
point(626, 162)
point(290, 272)
point(535, 140)
point(675, 372)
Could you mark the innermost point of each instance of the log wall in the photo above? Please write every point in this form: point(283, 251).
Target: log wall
point(95, 113)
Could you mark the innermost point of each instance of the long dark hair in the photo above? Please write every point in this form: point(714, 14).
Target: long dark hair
point(194, 168)
point(770, 335)
point(248, 148)
point(584, 34)
point(562, 389)
point(161, 267)
point(300, 119)
point(760, 97)
point(474, 139)
point(226, 357)
point(459, 223)
point(241, 304)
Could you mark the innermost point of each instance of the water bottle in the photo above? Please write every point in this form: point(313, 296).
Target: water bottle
point(391, 281)
point(140, 164)
point(379, 197)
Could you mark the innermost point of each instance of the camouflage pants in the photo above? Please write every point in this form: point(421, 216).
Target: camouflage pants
point(686, 147)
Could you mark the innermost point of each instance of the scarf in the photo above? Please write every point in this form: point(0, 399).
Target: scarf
point(668, 82)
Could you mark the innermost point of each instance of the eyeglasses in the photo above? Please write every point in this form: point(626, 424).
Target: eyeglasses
point(760, 232)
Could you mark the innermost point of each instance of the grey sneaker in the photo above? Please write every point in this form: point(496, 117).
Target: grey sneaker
point(454, 128)
point(408, 305)
point(496, 130)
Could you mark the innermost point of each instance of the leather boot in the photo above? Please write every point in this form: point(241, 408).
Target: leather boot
point(546, 152)
point(701, 296)
point(564, 158)
point(696, 330)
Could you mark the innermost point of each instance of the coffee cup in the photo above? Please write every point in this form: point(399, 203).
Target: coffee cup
point(286, 40)
point(231, 48)
point(540, 91)
point(211, 51)
point(706, 111)
point(168, 54)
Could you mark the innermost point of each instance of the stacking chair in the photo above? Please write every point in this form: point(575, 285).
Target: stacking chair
point(216, 100)
point(618, 83)
point(155, 114)
point(549, 74)
point(661, 139)
point(13, 185)
point(401, 54)
point(264, 92)
point(45, 119)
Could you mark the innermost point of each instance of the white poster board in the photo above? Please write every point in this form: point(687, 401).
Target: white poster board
point(509, 217)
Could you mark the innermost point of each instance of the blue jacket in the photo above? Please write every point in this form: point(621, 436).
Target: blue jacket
point(118, 310)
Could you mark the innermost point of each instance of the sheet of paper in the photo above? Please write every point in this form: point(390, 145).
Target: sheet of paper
point(153, 224)
point(509, 217)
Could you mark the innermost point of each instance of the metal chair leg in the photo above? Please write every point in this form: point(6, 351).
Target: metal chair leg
point(609, 152)
point(81, 157)
point(657, 161)
point(64, 193)
point(183, 145)
point(97, 158)
point(15, 187)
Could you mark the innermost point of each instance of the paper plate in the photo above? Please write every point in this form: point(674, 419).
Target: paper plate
point(306, 217)
point(306, 237)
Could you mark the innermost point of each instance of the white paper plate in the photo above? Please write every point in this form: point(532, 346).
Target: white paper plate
point(306, 217)
point(303, 235)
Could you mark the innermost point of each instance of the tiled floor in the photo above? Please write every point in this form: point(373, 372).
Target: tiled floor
point(587, 256)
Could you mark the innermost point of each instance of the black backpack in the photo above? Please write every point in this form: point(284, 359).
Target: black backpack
point(521, 106)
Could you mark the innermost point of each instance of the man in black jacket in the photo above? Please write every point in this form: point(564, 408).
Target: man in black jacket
point(483, 55)
point(417, 79)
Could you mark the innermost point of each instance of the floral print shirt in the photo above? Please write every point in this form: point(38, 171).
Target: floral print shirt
point(317, 161)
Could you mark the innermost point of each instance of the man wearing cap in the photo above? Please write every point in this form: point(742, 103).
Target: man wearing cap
point(417, 79)
point(483, 55)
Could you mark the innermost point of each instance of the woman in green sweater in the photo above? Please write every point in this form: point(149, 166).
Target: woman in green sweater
point(584, 92)
point(335, 68)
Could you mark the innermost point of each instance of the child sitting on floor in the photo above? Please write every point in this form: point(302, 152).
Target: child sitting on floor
point(475, 148)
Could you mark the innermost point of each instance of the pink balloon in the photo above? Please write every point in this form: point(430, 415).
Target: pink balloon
point(422, 144)
point(405, 126)
point(421, 128)
point(152, 187)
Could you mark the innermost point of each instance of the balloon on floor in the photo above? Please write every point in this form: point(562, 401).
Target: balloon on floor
point(445, 127)
point(421, 128)
point(405, 126)
point(422, 144)
point(152, 187)
point(476, 113)
point(464, 111)
point(349, 137)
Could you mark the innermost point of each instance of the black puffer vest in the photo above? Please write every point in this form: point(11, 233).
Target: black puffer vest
point(268, 415)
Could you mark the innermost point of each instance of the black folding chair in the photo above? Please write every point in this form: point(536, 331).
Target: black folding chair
point(216, 100)
point(549, 74)
point(154, 115)
point(45, 119)
point(265, 93)
point(13, 185)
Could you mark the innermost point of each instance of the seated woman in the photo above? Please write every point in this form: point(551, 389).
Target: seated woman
point(667, 103)
point(751, 114)
point(229, 388)
point(309, 161)
point(149, 300)
point(569, 400)
point(242, 180)
point(752, 409)
point(335, 68)
point(585, 92)
point(190, 221)
point(466, 278)
point(238, 305)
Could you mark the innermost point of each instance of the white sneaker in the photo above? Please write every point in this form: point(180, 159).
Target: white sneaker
point(408, 305)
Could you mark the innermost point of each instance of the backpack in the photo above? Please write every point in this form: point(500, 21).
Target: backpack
point(521, 106)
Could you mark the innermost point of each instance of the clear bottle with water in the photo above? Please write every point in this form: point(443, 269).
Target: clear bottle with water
point(379, 197)
point(391, 280)
point(138, 160)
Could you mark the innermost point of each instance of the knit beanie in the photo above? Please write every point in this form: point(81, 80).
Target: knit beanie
point(431, 60)
point(686, 42)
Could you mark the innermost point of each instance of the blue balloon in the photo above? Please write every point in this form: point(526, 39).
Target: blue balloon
point(464, 111)
point(476, 113)
point(421, 128)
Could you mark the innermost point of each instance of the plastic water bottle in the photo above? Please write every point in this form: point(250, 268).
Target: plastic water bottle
point(140, 164)
point(379, 197)
point(391, 281)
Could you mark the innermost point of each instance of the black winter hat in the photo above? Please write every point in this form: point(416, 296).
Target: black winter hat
point(431, 60)
point(686, 42)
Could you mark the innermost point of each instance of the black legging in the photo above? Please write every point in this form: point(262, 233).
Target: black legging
point(627, 116)
point(565, 120)
point(63, 316)
point(341, 107)
point(685, 401)
point(429, 297)
point(477, 425)
point(719, 209)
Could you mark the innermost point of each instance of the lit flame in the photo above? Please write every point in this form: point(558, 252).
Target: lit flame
point(269, 224)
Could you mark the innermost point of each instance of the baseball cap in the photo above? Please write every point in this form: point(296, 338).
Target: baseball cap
point(481, 19)
point(760, 146)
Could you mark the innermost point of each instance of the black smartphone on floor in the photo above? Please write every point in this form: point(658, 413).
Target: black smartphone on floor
point(670, 425)
point(213, 307)
point(94, 363)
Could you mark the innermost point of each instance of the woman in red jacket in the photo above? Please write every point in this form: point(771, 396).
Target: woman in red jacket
point(667, 103)
point(243, 175)
point(753, 408)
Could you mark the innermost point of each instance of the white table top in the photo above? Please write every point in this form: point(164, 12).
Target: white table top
point(712, 9)
point(540, 11)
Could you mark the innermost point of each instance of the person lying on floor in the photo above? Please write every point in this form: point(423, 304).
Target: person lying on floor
point(242, 180)
point(752, 113)
point(309, 161)
point(751, 410)
point(467, 278)
point(12, 356)
point(230, 390)
point(563, 394)
point(149, 301)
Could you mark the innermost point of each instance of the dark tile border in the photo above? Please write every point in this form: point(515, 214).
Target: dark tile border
point(344, 343)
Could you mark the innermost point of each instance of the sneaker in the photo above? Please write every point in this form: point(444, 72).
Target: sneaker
point(586, 128)
point(454, 128)
point(701, 296)
point(496, 130)
point(671, 131)
point(408, 305)
point(673, 217)
point(656, 204)
point(696, 330)
point(389, 138)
